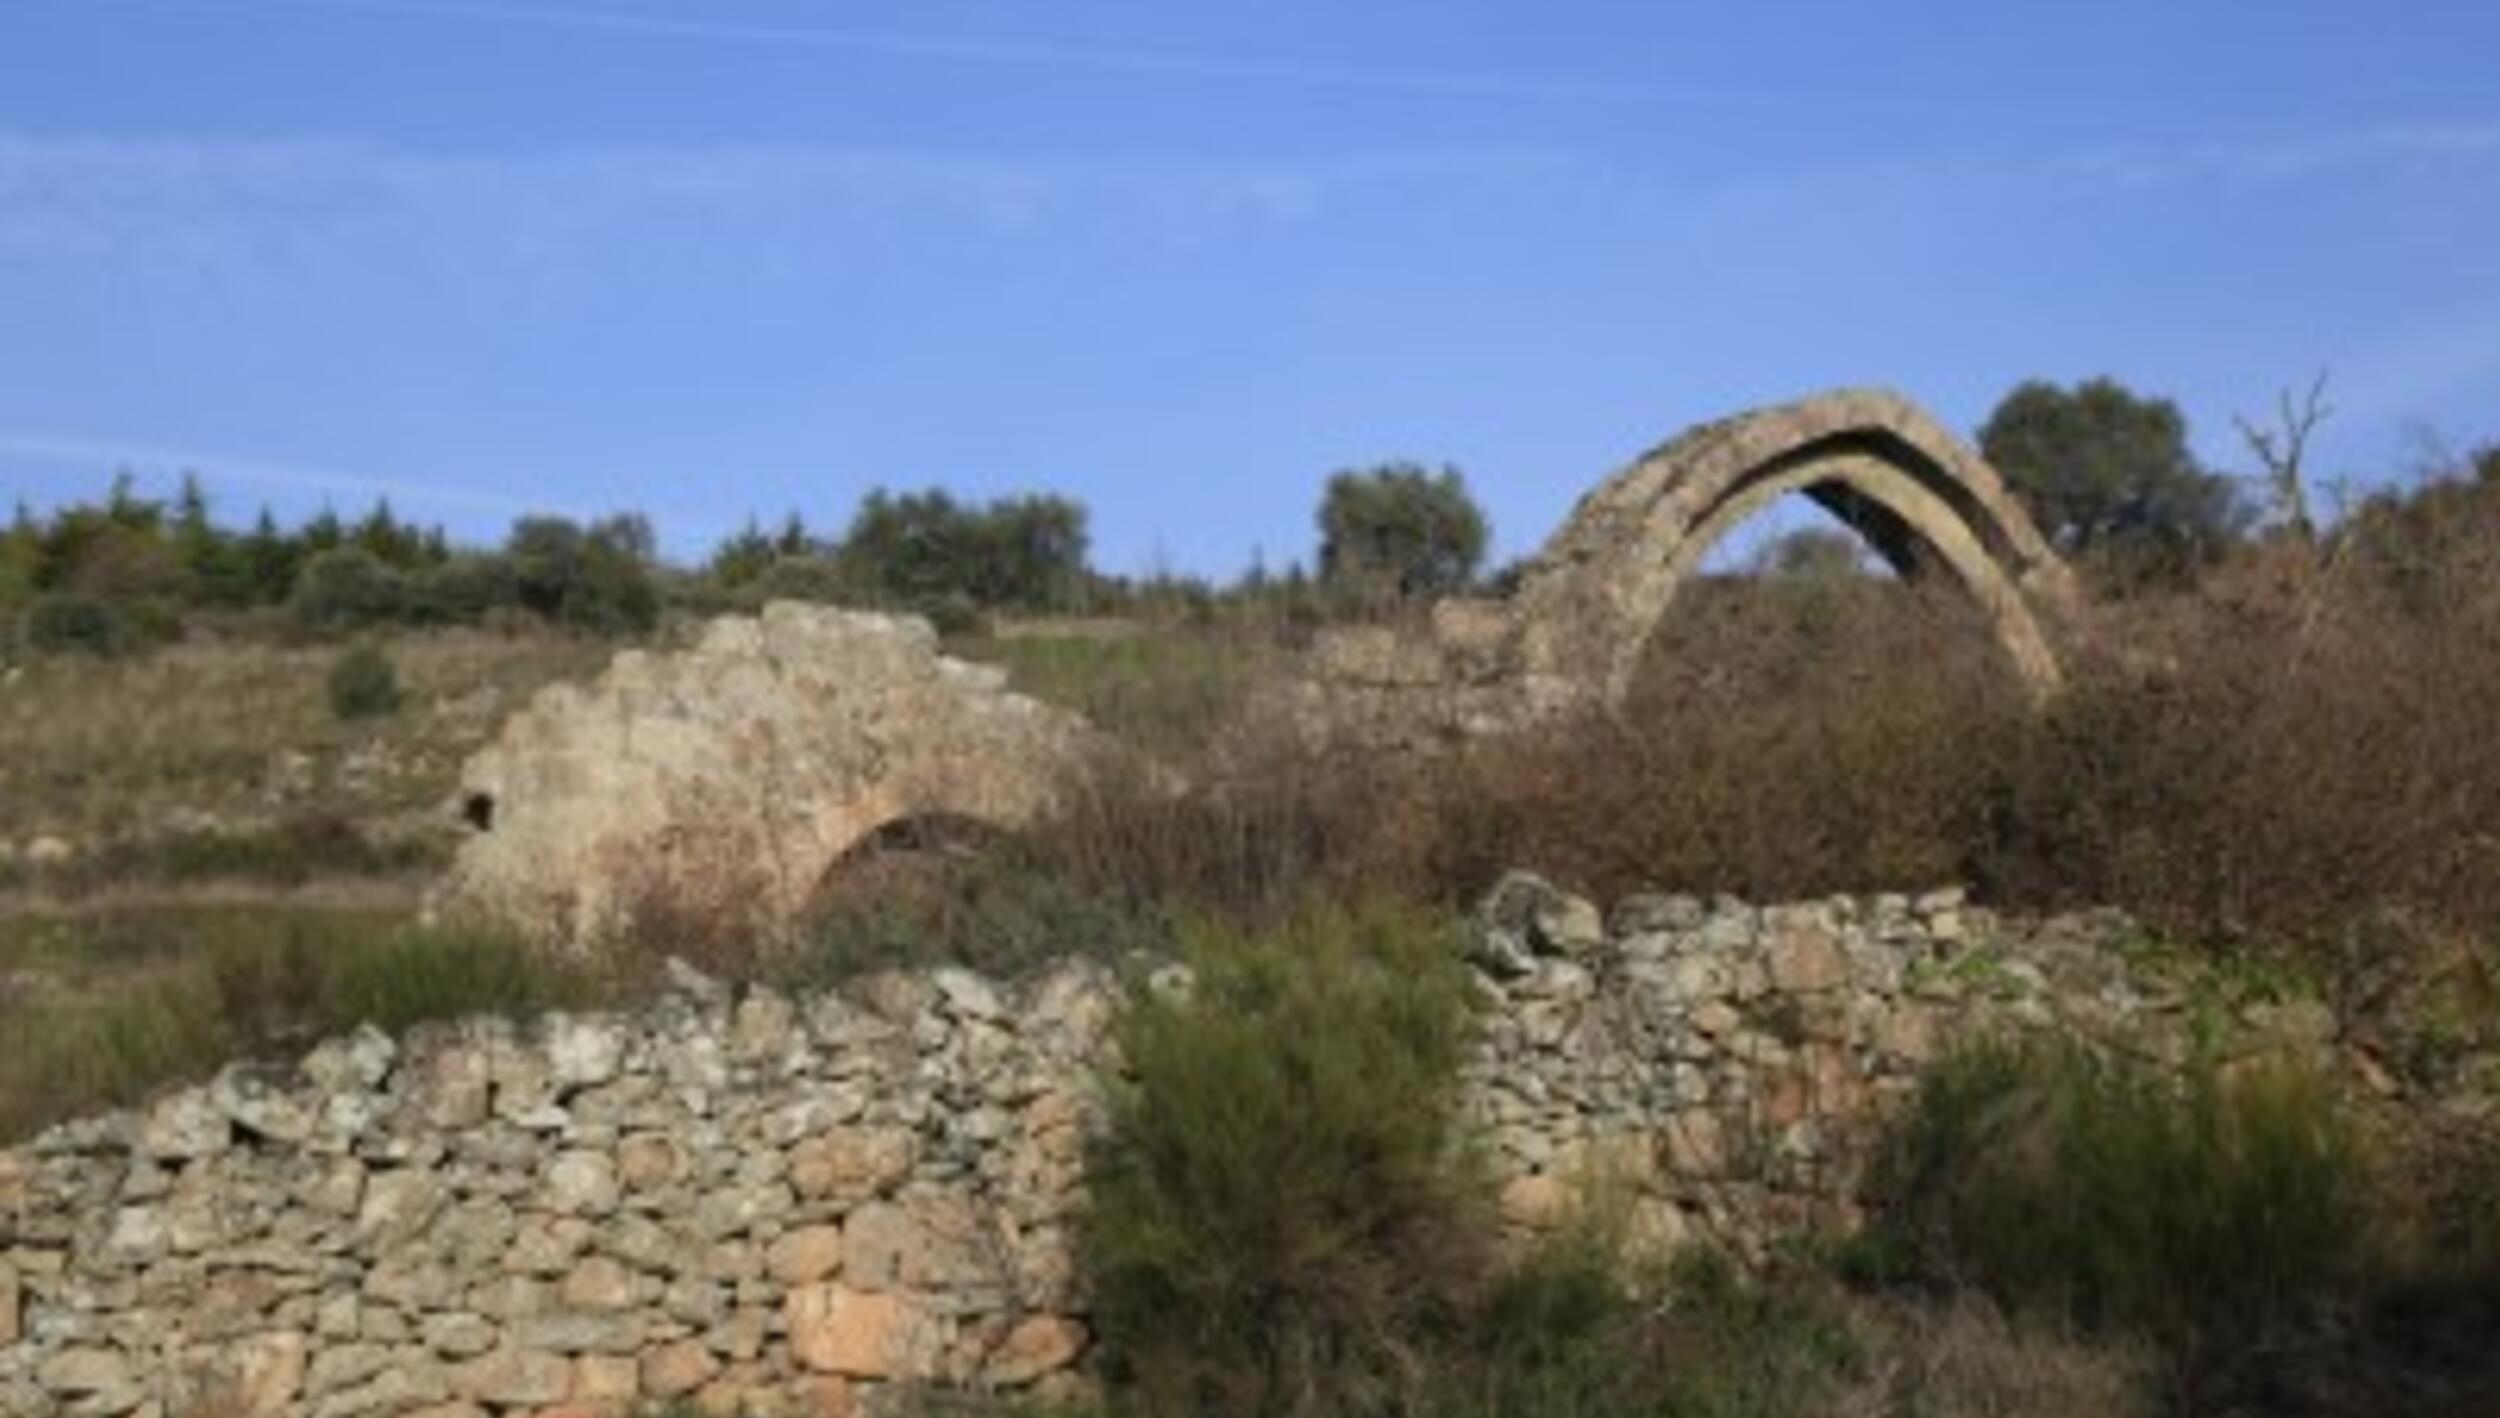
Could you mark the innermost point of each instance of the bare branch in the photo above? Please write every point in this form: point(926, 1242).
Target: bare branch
point(2284, 447)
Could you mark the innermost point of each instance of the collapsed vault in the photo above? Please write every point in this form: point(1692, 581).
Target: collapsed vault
point(730, 777)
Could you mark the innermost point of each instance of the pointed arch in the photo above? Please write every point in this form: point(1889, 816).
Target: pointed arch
point(1919, 495)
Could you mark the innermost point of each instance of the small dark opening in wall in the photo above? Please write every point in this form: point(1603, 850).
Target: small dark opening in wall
point(479, 811)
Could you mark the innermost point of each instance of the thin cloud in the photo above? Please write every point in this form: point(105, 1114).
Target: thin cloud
point(950, 49)
point(166, 196)
point(117, 455)
point(2290, 157)
point(1976, 182)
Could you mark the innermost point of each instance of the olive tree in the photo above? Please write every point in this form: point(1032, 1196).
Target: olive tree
point(2109, 476)
point(1400, 528)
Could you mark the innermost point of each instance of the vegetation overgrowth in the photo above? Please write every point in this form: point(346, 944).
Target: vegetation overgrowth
point(1278, 1209)
point(2277, 755)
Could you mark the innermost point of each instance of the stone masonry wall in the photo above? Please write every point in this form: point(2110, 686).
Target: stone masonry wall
point(777, 1206)
point(763, 1206)
point(1721, 1070)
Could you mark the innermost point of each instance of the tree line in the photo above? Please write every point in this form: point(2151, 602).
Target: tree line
point(2108, 473)
point(128, 570)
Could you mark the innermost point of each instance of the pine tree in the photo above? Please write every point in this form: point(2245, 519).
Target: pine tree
point(270, 558)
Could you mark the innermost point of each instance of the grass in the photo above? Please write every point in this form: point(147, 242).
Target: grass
point(1163, 689)
point(103, 1006)
point(243, 733)
point(1569, 1332)
point(2219, 1220)
point(2243, 1242)
point(2096, 1193)
point(296, 850)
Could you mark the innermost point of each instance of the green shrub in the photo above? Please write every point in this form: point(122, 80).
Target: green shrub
point(1278, 1209)
point(461, 591)
point(2203, 1210)
point(595, 579)
point(803, 578)
point(347, 587)
point(364, 684)
point(952, 613)
point(66, 622)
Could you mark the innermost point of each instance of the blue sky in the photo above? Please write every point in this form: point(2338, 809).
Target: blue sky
point(709, 258)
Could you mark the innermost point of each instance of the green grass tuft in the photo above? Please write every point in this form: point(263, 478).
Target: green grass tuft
point(145, 999)
point(2107, 1195)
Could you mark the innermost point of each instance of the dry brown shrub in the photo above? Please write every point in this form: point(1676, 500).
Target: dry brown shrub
point(2273, 760)
point(1961, 1358)
point(1250, 830)
point(1783, 739)
point(2292, 755)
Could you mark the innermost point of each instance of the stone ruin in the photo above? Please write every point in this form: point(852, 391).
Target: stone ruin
point(776, 1205)
point(725, 780)
point(1571, 636)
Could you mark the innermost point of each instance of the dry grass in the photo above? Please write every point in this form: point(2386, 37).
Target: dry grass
point(1959, 1357)
point(101, 749)
point(1161, 689)
point(102, 1005)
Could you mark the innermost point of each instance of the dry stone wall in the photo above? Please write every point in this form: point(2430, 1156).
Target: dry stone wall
point(768, 1205)
point(1722, 1070)
point(761, 1206)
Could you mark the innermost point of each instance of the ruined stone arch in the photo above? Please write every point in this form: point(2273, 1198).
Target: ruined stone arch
point(1917, 494)
point(725, 780)
point(1586, 605)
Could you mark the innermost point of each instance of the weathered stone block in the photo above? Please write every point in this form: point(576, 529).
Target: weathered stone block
point(863, 1336)
point(805, 1255)
point(1037, 1345)
point(514, 1376)
point(676, 1369)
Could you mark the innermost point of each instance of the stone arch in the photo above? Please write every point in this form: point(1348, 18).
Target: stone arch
point(1923, 498)
point(726, 778)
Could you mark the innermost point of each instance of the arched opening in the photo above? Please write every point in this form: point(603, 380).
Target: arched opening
point(1916, 530)
point(913, 852)
point(1812, 593)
